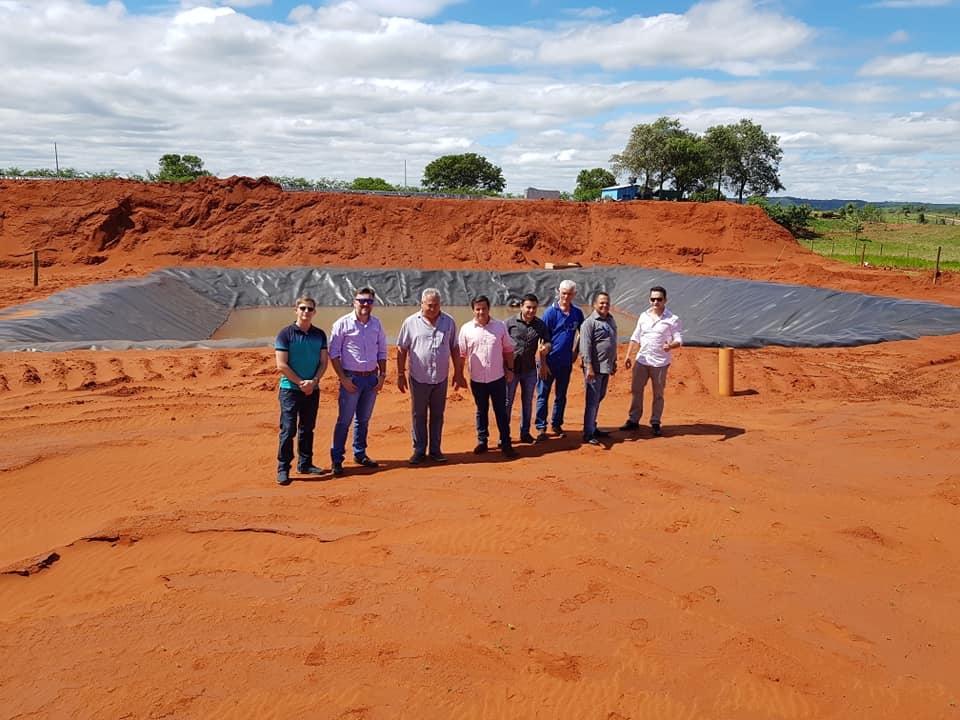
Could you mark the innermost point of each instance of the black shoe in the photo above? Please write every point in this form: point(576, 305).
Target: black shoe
point(416, 458)
point(630, 425)
point(438, 457)
point(541, 436)
point(508, 451)
point(366, 461)
point(601, 433)
point(558, 431)
point(311, 470)
point(657, 432)
point(480, 449)
point(338, 470)
point(591, 441)
point(527, 438)
point(283, 477)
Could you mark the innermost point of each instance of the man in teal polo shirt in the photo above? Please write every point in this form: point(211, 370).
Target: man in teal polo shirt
point(301, 352)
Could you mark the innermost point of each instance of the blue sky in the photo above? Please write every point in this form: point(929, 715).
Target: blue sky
point(864, 96)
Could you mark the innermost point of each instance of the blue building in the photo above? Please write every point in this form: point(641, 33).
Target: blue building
point(620, 192)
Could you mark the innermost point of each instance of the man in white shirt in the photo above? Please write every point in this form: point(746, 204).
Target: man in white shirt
point(486, 347)
point(658, 332)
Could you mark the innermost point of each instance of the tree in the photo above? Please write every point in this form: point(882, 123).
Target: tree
point(754, 166)
point(721, 149)
point(371, 183)
point(645, 155)
point(179, 168)
point(688, 158)
point(463, 172)
point(591, 182)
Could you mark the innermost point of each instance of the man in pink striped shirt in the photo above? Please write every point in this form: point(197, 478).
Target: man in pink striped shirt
point(486, 347)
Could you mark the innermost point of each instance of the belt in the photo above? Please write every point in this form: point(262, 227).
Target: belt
point(361, 373)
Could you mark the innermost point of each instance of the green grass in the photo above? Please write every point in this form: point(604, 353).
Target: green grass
point(889, 244)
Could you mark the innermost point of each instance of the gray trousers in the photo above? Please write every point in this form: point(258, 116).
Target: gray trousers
point(428, 404)
point(658, 380)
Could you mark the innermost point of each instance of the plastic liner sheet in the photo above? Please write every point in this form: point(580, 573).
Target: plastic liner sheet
point(183, 307)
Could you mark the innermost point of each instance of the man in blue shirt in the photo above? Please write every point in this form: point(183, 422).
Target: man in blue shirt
point(301, 351)
point(563, 319)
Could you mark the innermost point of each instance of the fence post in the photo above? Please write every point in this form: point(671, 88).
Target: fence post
point(936, 272)
point(36, 268)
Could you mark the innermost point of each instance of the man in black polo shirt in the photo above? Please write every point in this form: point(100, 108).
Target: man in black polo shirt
point(531, 340)
point(301, 351)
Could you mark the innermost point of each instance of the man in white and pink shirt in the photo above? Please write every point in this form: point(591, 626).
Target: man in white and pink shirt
point(487, 350)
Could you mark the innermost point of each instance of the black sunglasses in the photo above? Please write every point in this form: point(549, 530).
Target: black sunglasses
point(365, 301)
point(306, 308)
point(657, 299)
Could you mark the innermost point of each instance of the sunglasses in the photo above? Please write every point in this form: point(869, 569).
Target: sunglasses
point(306, 308)
point(365, 301)
point(657, 299)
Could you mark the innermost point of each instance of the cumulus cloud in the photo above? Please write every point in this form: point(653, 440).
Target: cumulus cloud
point(372, 88)
point(915, 65)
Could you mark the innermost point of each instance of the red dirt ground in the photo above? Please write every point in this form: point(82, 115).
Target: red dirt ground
point(789, 552)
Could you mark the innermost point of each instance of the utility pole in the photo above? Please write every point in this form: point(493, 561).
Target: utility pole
point(404, 174)
point(56, 159)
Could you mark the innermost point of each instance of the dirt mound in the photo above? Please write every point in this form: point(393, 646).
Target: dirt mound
point(91, 231)
point(245, 221)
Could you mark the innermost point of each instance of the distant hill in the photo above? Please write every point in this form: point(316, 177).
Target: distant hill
point(836, 204)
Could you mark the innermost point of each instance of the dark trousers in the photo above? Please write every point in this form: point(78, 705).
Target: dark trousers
point(298, 417)
point(483, 395)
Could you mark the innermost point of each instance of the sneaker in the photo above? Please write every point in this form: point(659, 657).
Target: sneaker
point(416, 459)
point(558, 431)
point(657, 432)
point(283, 477)
point(601, 433)
point(338, 470)
point(527, 438)
point(508, 451)
point(366, 461)
point(541, 436)
point(438, 457)
point(311, 470)
point(630, 425)
point(480, 449)
point(591, 441)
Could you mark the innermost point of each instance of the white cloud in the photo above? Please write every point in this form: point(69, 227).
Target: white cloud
point(346, 91)
point(915, 65)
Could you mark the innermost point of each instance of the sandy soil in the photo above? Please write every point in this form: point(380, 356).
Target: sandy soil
point(789, 552)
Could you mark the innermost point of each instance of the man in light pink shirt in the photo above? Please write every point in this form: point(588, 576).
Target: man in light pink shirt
point(486, 347)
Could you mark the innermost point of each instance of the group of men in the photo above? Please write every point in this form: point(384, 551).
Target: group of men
point(535, 355)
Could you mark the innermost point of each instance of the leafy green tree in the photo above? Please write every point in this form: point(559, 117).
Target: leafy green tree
point(795, 218)
point(754, 166)
point(463, 172)
point(688, 159)
point(591, 182)
point(371, 183)
point(179, 168)
point(721, 145)
point(645, 155)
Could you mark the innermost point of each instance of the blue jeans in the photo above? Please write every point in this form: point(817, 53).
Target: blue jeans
point(596, 390)
point(484, 394)
point(559, 372)
point(527, 381)
point(298, 418)
point(427, 399)
point(357, 408)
